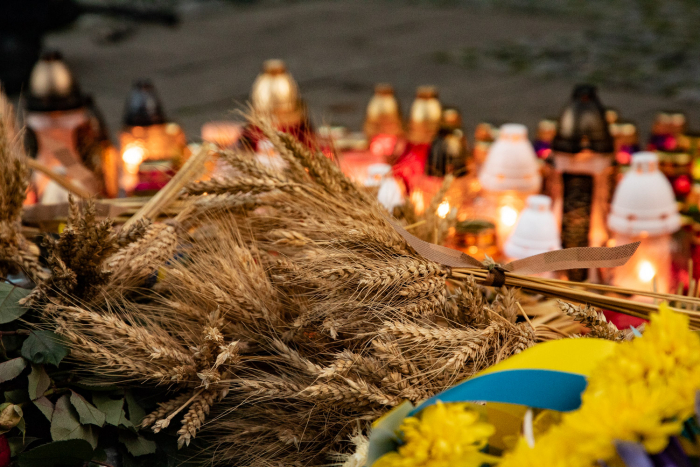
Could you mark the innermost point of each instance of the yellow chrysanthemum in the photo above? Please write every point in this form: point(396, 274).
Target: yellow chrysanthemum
point(445, 435)
point(643, 393)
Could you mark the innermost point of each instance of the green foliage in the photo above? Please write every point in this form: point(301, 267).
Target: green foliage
point(75, 413)
point(44, 347)
point(45, 406)
point(11, 369)
point(137, 445)
point(65, 423)
point(59, 453)
point(39, 382)
point(10, 309)
point(89, 414)
point(113, 409)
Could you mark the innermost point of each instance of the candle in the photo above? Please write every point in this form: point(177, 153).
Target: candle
point(644, 209)
point(448, 155)
point(275, 94)
point(677, 166)
point(477, 238)
point(423, 126)
point(68, 132)
point(546, 129)
point(625, 140)
point(508, 176)
point(383, 125)
point(484, 136)
point(666, 130)
point(152, 148)
point(536, 232)
point(580, 184)
point(388, 190)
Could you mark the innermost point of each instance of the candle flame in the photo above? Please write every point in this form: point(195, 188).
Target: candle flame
point(646, 272)
point(418, 202)
point(443, 209)
point(508, 215)
point(133, 156)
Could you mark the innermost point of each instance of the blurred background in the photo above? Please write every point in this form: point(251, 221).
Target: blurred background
point(496, 60)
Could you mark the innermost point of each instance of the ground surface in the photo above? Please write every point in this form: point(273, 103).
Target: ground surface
point(337, 50)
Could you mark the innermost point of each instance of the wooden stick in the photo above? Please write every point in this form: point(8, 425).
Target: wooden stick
point(62, 180)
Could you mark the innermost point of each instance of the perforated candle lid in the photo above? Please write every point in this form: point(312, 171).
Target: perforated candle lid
point(511, 163)
point(644, 203)
point(52, 86)
point(536, 231)
point(143, 106)
point(274, 90)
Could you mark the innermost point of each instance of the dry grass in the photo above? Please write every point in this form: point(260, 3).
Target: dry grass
point(16, 254)
point(287, 312)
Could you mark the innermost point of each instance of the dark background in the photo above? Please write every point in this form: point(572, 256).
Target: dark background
point(507, 60)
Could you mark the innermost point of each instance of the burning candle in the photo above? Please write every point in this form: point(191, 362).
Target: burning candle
point(580, 184)
point(644, 209)
point(69, 133)
point(536, 232)
point(508, 176)
point(152, 148)
point(448, 155)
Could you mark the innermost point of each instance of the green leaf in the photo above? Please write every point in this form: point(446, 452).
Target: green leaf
point(17, 396)
point(19, 444)
point(44, 347)
point(137, 445)
point(136, 412)
point(65, 423)
point(11, 369)
point(39, 382)
point(10, 309)
point(74, 452)
point(113, 410)
point(45, 406)
point(88, 412)
point(21, 426)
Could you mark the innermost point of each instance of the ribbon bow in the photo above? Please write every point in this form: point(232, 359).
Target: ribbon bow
point(558, 260)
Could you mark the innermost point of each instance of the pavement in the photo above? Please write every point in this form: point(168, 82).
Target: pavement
point(337, 50)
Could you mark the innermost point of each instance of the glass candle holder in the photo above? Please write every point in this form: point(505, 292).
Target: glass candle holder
point(68, 133)
point(508, 176)
point(423, 126)
point(383, 125)
point(152, 149)
point(581, 182)
point(644, 209)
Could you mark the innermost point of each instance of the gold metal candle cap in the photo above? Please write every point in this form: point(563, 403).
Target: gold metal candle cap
point(52, 85)
point(425, 115)
point(276, 93)
point(669, 122)
point(451, 119)
point(611, 115)
point(383, 114)
point(546, 129)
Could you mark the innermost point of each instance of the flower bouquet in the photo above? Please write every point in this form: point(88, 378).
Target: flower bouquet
point(638, 407)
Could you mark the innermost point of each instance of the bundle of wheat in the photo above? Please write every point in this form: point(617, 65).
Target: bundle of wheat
point(281, 304)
